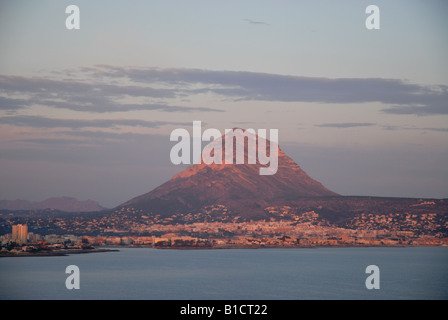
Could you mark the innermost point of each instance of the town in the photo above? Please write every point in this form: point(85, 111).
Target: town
point(21, 243)
point(285, 229)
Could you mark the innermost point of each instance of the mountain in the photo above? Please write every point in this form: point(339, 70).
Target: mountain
point(239, 187)
point(67, 204)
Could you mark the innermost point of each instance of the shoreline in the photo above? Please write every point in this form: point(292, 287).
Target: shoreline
point(277, 247)
point(315, 247)
point(66, 252)
point(55, 253)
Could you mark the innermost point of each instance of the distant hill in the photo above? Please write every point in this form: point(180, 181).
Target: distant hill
point(67, 204)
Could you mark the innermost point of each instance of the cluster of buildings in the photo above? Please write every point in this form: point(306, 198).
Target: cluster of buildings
point(285, 229)
point(21, 236)
point(21, 240)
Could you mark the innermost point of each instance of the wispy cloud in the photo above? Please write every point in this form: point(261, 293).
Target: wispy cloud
point(256, 22)
point(84, 96)
point(435, 129)
point(437, 107)
point(346, 125)
point(44, 122)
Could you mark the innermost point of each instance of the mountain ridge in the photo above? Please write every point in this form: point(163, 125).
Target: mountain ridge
point(67, 204)
point(239, 187)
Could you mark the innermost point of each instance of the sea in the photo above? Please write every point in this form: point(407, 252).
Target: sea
point(404, 273)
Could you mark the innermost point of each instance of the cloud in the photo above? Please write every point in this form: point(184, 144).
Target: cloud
point(436, 129)
point(12, 104)
point(44, 122)
point(345, 125)
point(256, 22)
point(52, 142)
point(437, 107)
point(90, 147)
point(42, 85)
point(106, 135)
point(87, 138)
point(103, 87)
point(399, 96)
point(390, 127)
point(84, 96)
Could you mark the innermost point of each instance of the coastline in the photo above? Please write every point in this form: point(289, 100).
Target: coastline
point(223, 247)
point(66, 252)
point(55, 253)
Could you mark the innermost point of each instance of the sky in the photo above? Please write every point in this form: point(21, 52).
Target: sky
point(88, 113)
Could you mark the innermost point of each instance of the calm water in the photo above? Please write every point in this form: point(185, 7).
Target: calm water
point(323, 273)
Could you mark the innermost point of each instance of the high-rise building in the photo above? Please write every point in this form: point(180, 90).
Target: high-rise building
point(20, 233)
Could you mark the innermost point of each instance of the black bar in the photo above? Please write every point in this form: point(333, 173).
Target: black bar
point(227, 309)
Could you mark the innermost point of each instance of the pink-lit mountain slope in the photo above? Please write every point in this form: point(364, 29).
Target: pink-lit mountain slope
point(239, 187)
